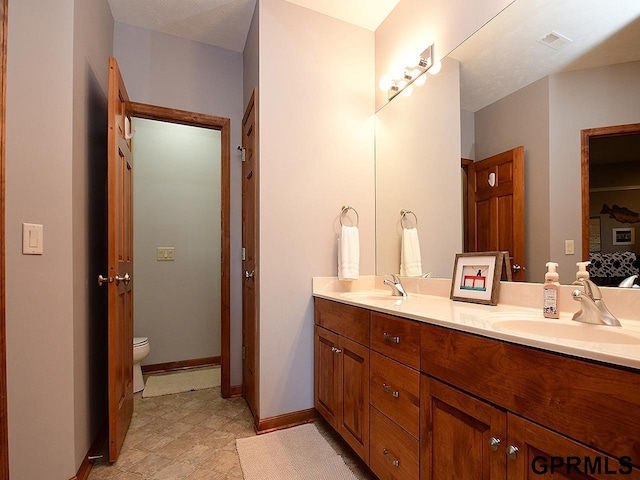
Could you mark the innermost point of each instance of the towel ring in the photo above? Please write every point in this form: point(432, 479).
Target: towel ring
point(403, 216)
point(343, 212)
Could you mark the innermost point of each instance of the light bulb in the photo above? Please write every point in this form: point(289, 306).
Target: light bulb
point(407, 91)
point(385, 83)
point(420, 80)
point(436, 67)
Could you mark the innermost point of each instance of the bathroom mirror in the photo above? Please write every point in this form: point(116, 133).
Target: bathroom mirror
point(514, 90)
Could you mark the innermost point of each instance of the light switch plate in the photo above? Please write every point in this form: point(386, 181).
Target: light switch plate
point(166, 254)
point(569, 247)
point(32, 239)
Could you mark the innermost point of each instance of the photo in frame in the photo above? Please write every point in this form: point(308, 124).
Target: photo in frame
point(476, 277)
point(624, 236)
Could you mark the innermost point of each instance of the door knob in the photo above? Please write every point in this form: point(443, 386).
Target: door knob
point(126, 279)
point(516, 268)
point(249, 274)
point(512, 452)
point(102, 280)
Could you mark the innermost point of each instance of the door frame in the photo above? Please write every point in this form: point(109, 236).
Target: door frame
point(4, 427)
point(585, 136)
point(222, 124)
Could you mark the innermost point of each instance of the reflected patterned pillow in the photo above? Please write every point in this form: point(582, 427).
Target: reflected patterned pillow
point(617, 264)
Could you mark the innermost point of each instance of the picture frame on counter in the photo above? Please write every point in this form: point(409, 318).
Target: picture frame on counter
point(476, 277)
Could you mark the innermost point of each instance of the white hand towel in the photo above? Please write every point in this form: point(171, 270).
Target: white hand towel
point(410, 260)
point(349, 254)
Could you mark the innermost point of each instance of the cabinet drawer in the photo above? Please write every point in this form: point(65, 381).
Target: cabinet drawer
point(345, 320)
point(394, 453)
point(395, 391)
point(396, 338)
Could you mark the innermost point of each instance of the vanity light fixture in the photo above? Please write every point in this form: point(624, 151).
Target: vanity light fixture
point(411, 74)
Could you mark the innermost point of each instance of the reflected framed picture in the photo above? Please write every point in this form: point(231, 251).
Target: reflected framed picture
point(476, 277)
point(624, 236)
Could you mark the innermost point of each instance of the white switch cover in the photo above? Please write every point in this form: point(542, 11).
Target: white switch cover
point(166, 254)
point(569, 248)
point(32, 238)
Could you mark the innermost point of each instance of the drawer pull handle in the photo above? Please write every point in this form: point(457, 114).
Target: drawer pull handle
point(512, 452)
point(395, 463)
point(389, 338)
point(494, 443)
point(335, 350)
point(388, 390)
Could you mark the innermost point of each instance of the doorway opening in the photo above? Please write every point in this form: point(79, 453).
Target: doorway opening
point(213, 248)
point(611, 202)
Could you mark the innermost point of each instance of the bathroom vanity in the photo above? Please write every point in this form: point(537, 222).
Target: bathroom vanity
point(447, 397)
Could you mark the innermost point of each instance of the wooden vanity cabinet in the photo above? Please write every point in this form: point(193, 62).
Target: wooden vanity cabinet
point(553, 406)
point(467, 438)
point(416, 400)
point(341, 365)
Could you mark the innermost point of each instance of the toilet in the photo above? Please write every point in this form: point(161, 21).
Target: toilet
point(140, 351)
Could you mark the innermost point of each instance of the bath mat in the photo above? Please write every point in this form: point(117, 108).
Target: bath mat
point(177, 382)
point(298, 453)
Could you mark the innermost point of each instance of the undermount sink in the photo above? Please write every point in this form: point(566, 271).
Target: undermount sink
point(535, 324)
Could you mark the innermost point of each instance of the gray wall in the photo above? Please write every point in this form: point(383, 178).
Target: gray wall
point(316, 154)
point(56, 90)
point(522, 118)
point(168, 71)
point(177, 203)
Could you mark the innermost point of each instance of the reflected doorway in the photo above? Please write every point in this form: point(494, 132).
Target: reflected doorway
point(610, 167)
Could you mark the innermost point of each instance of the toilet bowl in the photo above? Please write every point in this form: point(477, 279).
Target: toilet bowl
point(140, 351)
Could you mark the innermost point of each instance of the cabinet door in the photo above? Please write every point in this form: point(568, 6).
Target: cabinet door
point(353, 423)
point(326, 371)
point(544, 454)
point(460, 435)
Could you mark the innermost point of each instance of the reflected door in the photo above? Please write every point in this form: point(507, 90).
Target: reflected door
point(495, 189)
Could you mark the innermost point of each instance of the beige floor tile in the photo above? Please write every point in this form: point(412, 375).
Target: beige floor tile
point(174, 471)
point(192, 436)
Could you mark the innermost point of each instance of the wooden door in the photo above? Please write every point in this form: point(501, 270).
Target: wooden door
point(326, 380)
point(544, 454)
point(353, 391)
point(250, 257)
point(120, 257)
point(495, 191)
point(458, 432)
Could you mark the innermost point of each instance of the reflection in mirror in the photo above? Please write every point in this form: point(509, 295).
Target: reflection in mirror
point(612, 193)
point(515, 91)
point(418, 169)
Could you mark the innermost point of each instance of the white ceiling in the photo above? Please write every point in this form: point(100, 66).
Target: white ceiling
point(505, 54)
point(225, 23)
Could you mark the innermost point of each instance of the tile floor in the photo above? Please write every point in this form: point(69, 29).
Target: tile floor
point(192, 436)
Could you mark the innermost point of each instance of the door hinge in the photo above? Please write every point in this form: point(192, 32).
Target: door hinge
point(244, 254)
point(243, 155)
point(244, 352)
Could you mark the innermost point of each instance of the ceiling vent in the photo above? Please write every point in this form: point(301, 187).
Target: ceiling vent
point(554, 40)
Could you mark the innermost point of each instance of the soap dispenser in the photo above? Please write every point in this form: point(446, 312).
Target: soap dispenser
point(582, 272)
point(550, 291)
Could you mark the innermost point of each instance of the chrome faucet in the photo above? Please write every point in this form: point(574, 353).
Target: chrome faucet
point(593, 308)
point(397, 290)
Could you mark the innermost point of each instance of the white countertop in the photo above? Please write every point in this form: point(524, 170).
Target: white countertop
point(614, 345)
